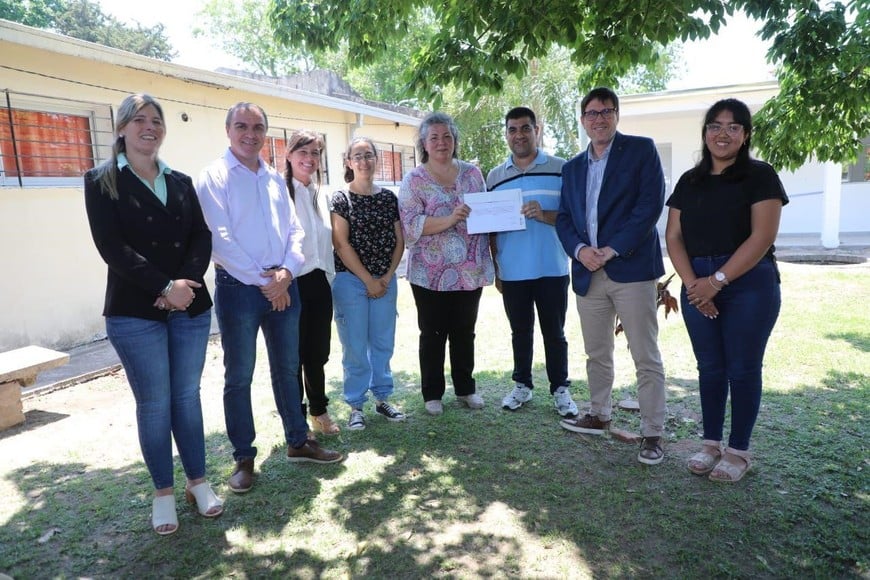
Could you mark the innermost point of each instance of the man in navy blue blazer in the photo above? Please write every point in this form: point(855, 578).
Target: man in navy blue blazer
point(612, 197)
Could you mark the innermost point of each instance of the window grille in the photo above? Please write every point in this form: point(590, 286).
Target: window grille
point(274, 151)
point(394, 161)
point(48, 141)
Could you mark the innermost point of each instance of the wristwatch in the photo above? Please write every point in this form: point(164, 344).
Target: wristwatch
point(721, 278)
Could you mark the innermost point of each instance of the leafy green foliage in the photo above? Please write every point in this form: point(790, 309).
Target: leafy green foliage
point(36, 13)
point(384, 79)
point(549, 88)
point(823, 107)
point(242, 29)
point(478, 44)
point(85, 20)
point(821, 51)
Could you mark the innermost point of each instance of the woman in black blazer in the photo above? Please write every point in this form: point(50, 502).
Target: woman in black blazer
point(148, 227)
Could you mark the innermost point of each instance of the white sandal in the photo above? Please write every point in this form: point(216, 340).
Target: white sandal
point(703, 462)
point(163, 514)
point(205, 499)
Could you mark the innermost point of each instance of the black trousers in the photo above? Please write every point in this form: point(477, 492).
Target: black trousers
point(444, 316)
point(315, 336)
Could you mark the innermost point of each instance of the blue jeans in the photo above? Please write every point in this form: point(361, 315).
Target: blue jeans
point(163, 362)
point(242, 311)
point(730, 348)
point(367, 330)
point(550, 296)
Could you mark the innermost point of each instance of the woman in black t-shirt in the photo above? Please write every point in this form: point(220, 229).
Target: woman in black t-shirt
point(368, 242)
point(723, 219)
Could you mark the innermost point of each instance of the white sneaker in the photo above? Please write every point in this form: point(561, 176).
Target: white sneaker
point(565, 405)
point(520, 395)
point(434, 407)
point(474, 401)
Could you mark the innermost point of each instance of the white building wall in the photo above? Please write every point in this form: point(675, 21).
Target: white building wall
point(675, 118)
point(855, 216)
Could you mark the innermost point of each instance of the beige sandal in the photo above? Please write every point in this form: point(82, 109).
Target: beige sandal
point(703, 462)
point(729, 469)
point(324, 424)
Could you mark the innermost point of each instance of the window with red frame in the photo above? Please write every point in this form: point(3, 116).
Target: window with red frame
point(47, 141)
point(394, 161)
point(43, 144)
point(274, 152)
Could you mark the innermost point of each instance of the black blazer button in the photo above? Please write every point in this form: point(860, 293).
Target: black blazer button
point(177, 244)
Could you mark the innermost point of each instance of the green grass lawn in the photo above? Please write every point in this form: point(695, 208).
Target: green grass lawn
point(472, 494)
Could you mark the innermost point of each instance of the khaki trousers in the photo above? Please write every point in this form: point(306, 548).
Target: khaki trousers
point(635, 304)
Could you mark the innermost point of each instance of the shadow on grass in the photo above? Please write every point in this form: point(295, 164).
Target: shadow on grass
point(33, 419)
point(493, 493)
point(485, 493)
point(84, 522)
point(858, 340)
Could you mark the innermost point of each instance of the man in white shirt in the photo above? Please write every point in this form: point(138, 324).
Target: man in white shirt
point(256, 248)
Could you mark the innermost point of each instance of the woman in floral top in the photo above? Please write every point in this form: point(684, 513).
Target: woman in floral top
point(447, 267)
point(368, 248)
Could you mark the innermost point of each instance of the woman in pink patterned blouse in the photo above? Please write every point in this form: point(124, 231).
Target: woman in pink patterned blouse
point(447, 267)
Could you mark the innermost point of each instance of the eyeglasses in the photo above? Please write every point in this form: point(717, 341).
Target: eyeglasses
point(731, 128)
point(604, 113)
point(362, 157)
point(306, 153)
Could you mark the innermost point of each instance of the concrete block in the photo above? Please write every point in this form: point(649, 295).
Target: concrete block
point(11, 409)
point(23, 364)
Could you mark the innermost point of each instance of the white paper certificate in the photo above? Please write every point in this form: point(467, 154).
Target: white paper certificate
point(495, 211)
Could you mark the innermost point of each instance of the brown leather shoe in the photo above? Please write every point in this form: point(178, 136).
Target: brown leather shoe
point(314, 453)
point(242, 479)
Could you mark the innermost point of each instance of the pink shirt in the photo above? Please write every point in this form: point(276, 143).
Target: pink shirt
point(452, 259)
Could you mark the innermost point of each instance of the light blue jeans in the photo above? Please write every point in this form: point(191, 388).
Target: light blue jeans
point(367, 330)
point(163, 362)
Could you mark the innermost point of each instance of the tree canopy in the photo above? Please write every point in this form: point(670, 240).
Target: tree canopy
point(85, 20)
point(821, 52)
point(242, 30)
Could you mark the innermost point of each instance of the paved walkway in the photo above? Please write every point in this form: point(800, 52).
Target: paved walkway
point(98, 358)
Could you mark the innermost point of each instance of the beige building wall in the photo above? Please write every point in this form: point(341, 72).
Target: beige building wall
point(51, 293)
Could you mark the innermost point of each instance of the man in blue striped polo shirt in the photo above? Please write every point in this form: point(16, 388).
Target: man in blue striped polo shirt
point(531, 266)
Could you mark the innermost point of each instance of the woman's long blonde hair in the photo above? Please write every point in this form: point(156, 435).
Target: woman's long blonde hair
point(107, 172)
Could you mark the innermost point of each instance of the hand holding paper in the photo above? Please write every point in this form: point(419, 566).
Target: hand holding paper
point(495, 211)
